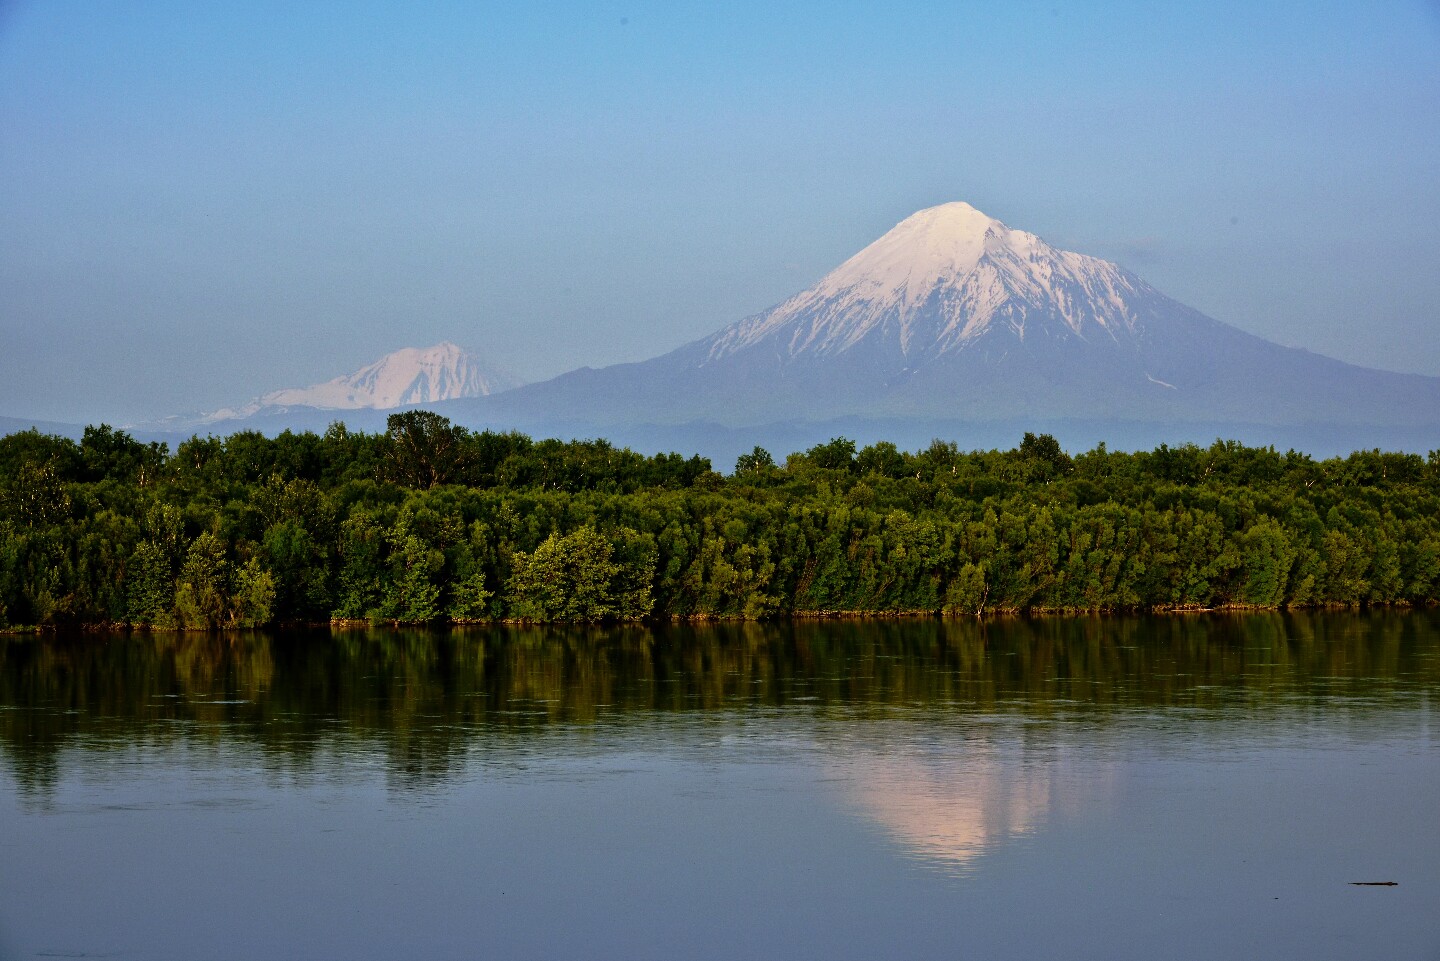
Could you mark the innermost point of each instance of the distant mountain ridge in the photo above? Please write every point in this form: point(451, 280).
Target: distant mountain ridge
point(412, 375)
point(950, 325)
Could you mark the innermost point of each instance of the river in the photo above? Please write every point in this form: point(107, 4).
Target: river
point(1198, 786)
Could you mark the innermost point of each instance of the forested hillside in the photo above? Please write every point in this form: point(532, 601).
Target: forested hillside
point(430, 522)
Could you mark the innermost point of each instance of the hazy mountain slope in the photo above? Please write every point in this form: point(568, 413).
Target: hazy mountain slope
point(17, 425)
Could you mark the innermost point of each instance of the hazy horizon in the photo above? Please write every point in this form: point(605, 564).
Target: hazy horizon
point(200, 205)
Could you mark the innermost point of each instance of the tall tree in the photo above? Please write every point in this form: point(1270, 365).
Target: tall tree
point(426, 450)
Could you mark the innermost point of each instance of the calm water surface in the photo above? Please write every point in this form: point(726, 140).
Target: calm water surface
point(1189, 787)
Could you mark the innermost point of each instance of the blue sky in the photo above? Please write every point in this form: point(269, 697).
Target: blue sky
point(203, 201)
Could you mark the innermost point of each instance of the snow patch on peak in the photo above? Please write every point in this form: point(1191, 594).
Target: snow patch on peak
point(908, 261)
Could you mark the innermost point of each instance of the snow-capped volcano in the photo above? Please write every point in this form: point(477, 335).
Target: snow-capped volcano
point(939, 281)
point(952, 316)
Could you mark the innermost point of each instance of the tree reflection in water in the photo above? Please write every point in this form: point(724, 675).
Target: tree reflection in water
point(428, 701)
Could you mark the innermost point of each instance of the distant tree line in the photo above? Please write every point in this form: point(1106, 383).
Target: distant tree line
point(430, 522)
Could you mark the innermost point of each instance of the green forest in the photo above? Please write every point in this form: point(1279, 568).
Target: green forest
point(430, 523)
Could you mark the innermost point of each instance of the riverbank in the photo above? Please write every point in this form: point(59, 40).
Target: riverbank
point(796, 616)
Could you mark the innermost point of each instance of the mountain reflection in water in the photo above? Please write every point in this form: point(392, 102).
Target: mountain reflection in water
point(949, 811)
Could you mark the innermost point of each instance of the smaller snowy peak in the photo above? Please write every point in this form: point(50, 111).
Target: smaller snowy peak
point(412, 375)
